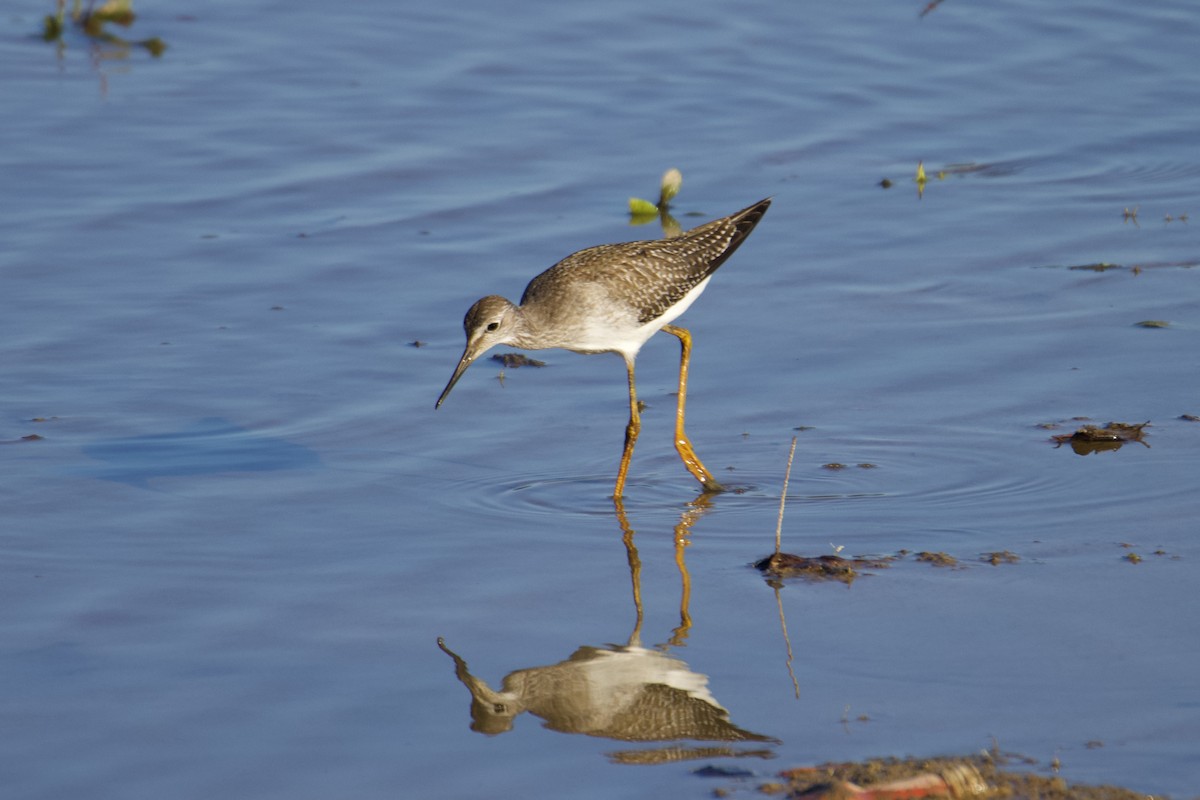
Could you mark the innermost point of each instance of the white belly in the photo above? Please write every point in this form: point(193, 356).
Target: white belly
point(628, 338)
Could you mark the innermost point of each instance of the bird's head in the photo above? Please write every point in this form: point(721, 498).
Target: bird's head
point(491, 321)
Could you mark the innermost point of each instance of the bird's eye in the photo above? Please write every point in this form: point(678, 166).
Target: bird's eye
point(493, 325)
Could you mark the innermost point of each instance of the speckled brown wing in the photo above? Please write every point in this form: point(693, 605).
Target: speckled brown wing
point(653, 275)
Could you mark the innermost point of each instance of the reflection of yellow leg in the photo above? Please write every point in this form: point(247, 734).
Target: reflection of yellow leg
point(691, 513)
point(635, 569)
point(631, 432)
point(685, 592)
point(682, 443)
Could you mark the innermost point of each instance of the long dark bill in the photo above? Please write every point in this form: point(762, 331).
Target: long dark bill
point(463, 363)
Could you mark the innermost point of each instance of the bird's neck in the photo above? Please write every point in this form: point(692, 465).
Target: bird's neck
point(526, 332)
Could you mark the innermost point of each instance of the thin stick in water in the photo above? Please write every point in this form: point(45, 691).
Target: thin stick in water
point(787, 476)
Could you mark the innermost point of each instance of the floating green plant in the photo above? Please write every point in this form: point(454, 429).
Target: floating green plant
point(672, 179)
point(639, 207)
point(643, 211)
point(93, 22)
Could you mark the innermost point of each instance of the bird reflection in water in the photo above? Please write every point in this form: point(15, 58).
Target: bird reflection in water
point(628, 692)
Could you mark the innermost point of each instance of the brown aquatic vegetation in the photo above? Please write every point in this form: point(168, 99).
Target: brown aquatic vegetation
point(93, 22)
point(1094, 438)
point(1136, 269)
point(785, 565)
point(981, 776)
point(819, 568)
point(32, 437)
point(937, 559)
point(780, 565)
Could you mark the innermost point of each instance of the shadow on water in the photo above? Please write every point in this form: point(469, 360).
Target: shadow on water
point(628, 692)
point(211, 446)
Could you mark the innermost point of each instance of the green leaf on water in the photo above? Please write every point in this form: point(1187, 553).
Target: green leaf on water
point(155, 45)
point(116, 11)
point(52, 28)
point(639, 207)
point(93, 21)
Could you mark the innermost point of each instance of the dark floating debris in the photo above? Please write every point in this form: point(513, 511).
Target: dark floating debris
point(1136, 269)
point(1102, 266)
point(1152, 323)
point(782, 565)
point(987, 775)
point(515, 360)
point(819, 568)
point(937, 559)
point(1093, 439)
point(32, 437)
point(714, 771)
point(1134, 558)
point(1112, 432)
point(930, 6)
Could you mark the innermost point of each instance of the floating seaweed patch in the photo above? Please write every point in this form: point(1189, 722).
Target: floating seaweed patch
point(938, 559)
point(95, 22)
point(1095, 438)
point(643, 211)
point(1099, 266)
point(819, 568)
point(985, 775)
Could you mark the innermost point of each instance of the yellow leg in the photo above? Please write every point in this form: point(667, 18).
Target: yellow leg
point(682, 443)
point(631, 432)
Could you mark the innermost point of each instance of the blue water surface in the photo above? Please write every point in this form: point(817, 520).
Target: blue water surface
point(233, 527)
